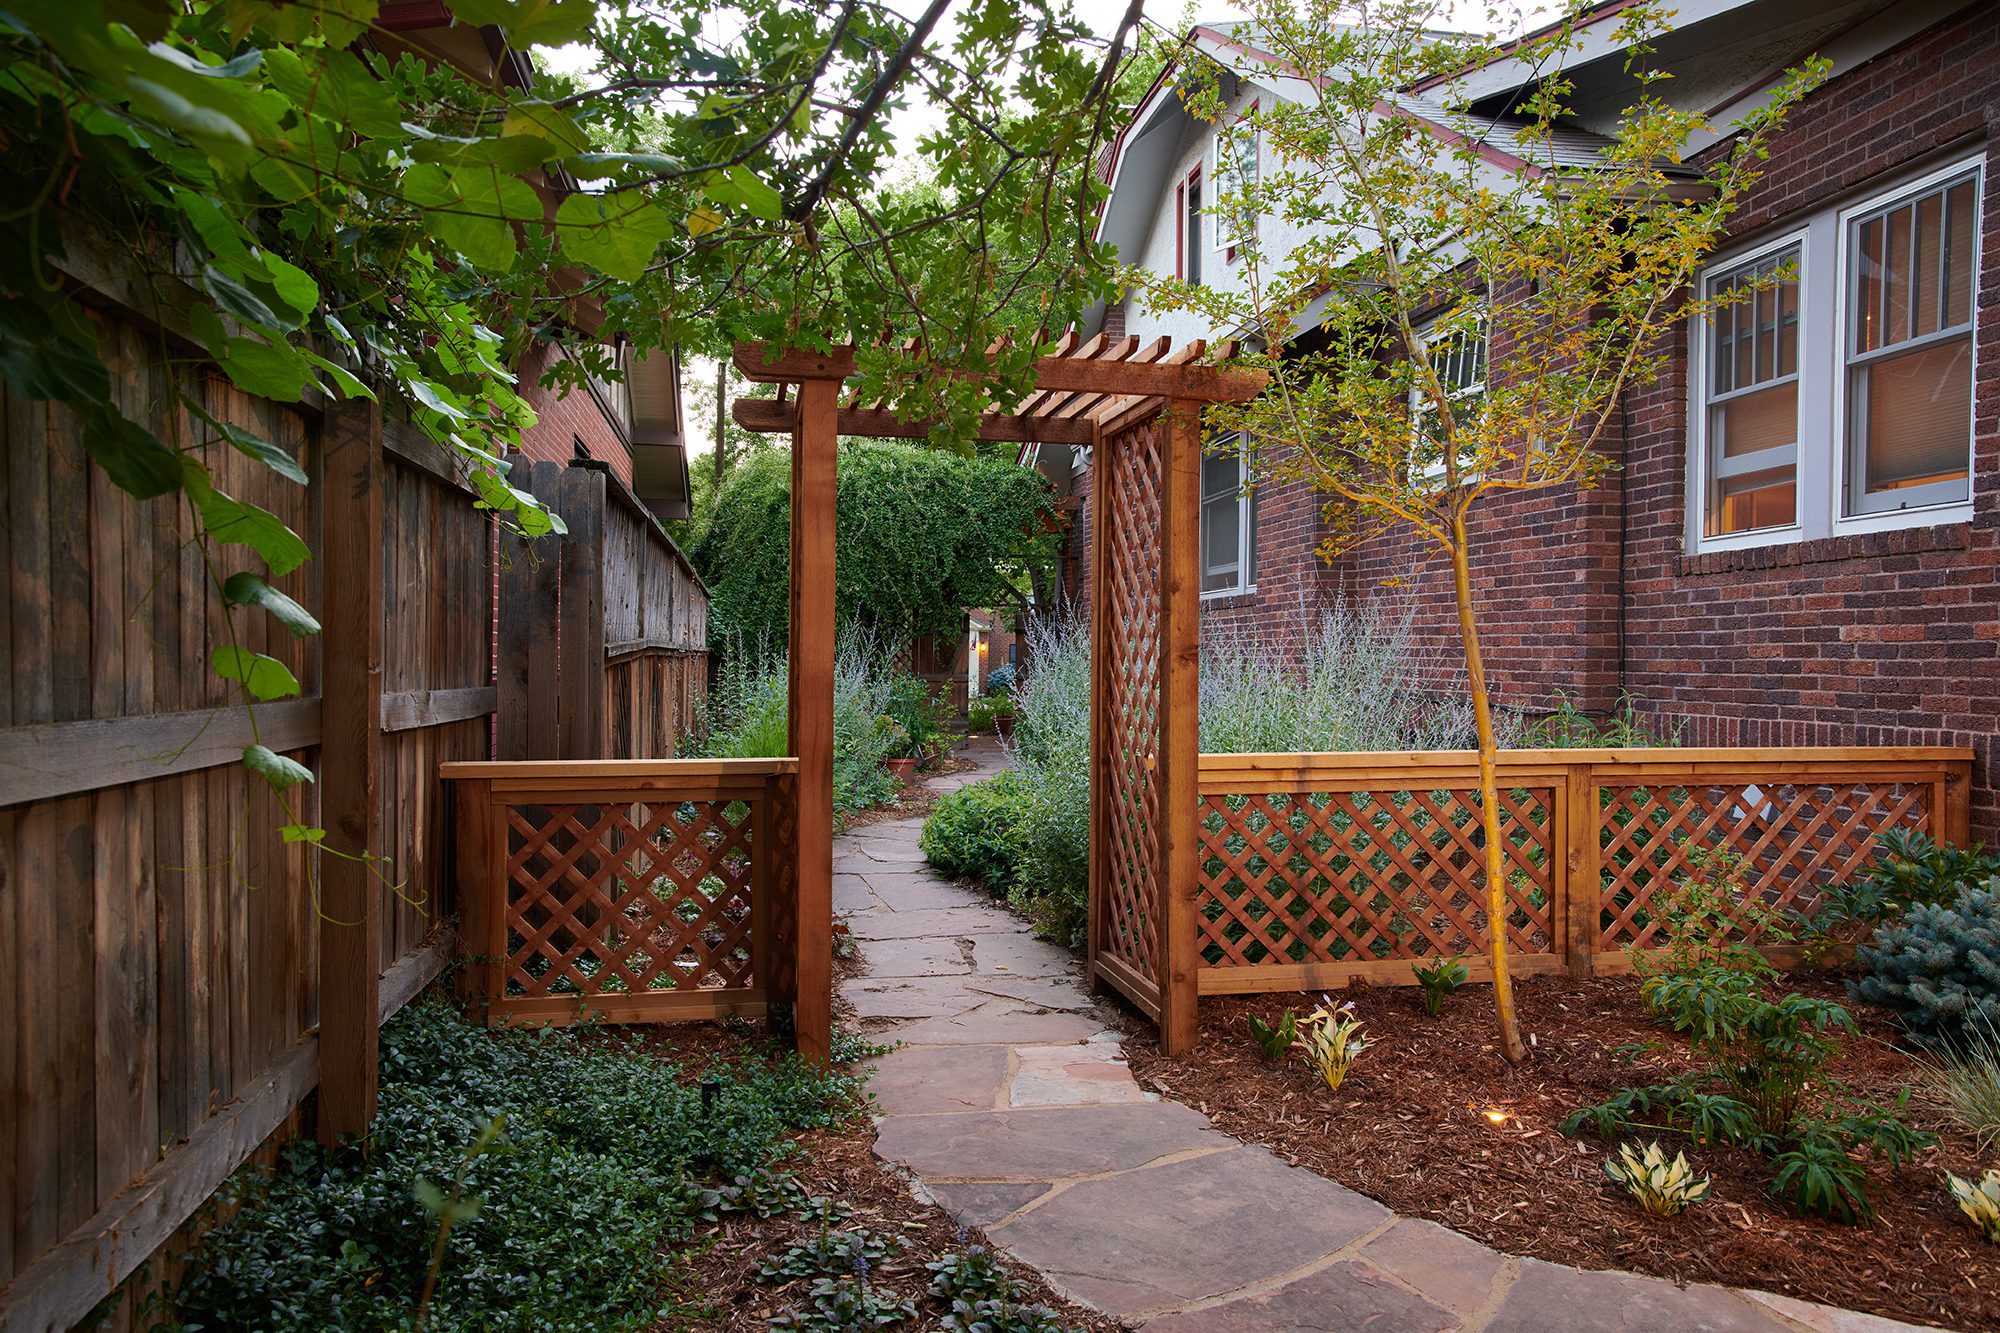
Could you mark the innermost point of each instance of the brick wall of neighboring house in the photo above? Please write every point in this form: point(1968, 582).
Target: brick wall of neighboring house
point(563, 418)
point(1878, 638)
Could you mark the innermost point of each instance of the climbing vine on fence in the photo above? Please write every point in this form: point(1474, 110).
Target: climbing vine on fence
point(318, 212)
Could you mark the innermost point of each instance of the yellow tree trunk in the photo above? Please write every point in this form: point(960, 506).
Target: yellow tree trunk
point(1489, 799)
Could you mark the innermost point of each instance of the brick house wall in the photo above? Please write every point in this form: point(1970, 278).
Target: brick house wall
point(564, 417)
point(1871, 639)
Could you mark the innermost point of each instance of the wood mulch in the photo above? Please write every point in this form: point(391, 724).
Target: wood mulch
point(912, 801)
point(1410, 1128)
point(718, 1274)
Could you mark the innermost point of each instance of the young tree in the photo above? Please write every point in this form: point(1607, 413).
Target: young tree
point(1459, 302)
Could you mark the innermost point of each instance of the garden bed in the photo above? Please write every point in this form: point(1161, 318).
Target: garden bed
point(1410, 1127)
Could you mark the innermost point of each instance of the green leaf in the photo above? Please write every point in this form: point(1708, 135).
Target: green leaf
point(336, 85)
point(295, 287)
point(616, 234)
point(540, 22)
point(238, 523)
point(546, 121)
point(266, 370)
point(246, 589)
point(741, 188)
point(251, 445)
point(281, 773)
point(307, 833)
point(135, 460)
point(242, 302)
point(602, 166)
point(264, 677)
point(39, 362)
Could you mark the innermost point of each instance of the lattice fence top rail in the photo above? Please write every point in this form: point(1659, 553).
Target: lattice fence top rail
point(1222, 772)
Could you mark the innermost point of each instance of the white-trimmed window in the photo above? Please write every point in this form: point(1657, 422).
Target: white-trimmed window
point(1188, 229)
point(1234, 169)
point(1228, 520)
point(1832, 393)
point(1459, 360)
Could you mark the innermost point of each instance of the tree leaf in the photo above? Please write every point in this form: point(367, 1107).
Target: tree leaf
point(540, 22)
point(238, 523)
point(264, 677)
point(602, 166)
point(545, 120)
point(246, 589)
point(281, 773)
point(266, 370)
point(616, 234)
point(132, 456)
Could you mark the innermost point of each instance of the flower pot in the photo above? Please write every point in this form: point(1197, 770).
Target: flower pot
point(1003, 725)
point(904, 770)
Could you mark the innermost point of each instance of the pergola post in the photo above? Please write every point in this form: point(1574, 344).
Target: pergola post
point(815, 442)
point(1179, 760)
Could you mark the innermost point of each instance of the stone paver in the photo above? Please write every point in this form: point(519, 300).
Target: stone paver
point(1009, 1100)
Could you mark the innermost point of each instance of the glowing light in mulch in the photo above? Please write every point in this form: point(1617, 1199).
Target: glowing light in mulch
point(1495, 1116)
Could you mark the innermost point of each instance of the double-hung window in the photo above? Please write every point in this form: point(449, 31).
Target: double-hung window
point(1228, 520)
point(1832, 382)
point(1458, 359)
point(1188, 230)
point(1235, 172)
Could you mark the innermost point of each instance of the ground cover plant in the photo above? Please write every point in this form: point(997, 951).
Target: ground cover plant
point(1433, 1122)
point(690, 1176)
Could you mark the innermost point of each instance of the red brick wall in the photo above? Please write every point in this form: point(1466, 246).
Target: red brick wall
point(563, 418)
point(1876, 639)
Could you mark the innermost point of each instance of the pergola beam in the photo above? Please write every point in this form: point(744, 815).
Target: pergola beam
point(1139, 379)
point(770, 417)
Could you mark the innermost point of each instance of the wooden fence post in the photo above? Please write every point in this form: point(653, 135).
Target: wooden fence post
point(580, 498)
point(1582, 879)
point(1956, 817)
point(1100, 704)
point(481, 864)
point(350, 767)
point(1179, 767)
point(815, 442)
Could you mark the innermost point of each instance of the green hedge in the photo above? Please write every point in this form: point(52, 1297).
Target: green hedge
point(975, 832)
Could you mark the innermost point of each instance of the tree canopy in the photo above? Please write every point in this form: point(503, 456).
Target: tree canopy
point(920, 535)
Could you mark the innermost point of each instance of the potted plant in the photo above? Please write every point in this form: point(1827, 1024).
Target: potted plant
point(899, 754)
point(1003, 716)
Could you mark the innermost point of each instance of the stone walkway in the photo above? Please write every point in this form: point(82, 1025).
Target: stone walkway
point(1010, 1104)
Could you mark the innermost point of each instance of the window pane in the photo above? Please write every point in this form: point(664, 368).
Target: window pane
point(1962, 218)
point(1220, 475)
point(1755, 500)
point(1868, 286)
point(1911, 417)
point(1756, 421)
point(1896, 274)
point(1929, 238)
point(1192, 232)
point(1756, 333)
point(1220, 542)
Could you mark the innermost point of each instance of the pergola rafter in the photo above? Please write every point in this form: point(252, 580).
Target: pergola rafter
point(1139, 406)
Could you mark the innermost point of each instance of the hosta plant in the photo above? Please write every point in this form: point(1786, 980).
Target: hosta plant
point(1330, 1038)
point(1274, 1039)
point(1663, 1188)
point(1980, 1201)
point(1440, 979)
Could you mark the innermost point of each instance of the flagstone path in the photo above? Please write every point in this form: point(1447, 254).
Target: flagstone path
point(1009, 1102)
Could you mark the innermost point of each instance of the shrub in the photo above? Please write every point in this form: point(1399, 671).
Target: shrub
point(1440, 979)
point(980, 713)
point(1911, 870)
point(1568, 727)
point(1939, 968)
point(1051, 752)
point(595, 1157)
point(1965, 1079)
point(1000, 680)
point(1663, 1188)
point(975, 832)
point(1273, 1042)
point(748, 715)
point(1762, 1082)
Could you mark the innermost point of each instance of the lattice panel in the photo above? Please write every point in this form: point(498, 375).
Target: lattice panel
point(1793, 840)
point(1130, 478)
point(783, 904)
point(1353, 877)
point(628, 898)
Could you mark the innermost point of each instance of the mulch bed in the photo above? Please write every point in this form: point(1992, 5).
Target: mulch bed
point(719, 1272)
point(1408, 1127)
point(912, 801)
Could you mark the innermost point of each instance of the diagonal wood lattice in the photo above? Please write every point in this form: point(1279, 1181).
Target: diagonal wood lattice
point(1790, 838)
point(1364, 876)
point(628, 897)
point(1129, 805)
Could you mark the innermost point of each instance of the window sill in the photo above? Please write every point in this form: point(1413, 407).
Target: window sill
point(1228, 598)
point(1952, 535)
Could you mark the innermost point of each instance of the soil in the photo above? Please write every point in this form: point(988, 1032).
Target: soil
point(1410, 1127)
point(719, 1273)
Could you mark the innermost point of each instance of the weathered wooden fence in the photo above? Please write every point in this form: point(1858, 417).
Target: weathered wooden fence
point(630, 891)
point(175, 979)
point(603, 631)
point(1315, 870)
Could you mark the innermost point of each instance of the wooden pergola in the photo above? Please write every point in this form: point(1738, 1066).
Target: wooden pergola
point(1138, 408)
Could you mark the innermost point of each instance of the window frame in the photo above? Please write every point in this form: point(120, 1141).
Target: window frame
point(1228, 245)
point(1188, 240)
point(1416, 402)
point(1246, 523)
point(1701, 370)
point(1846, 460)
point(1822, 238)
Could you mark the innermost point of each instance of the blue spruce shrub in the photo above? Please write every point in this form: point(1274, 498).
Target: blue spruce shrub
point(1940, 966)
point(1000, 680)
